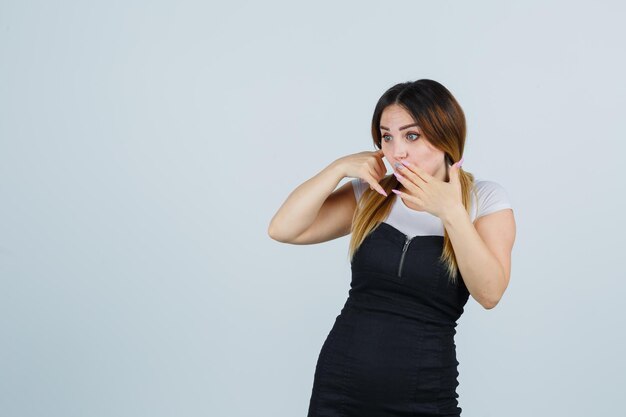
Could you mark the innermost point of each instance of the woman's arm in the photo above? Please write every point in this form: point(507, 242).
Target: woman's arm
point(303, 205)
point(483, 252)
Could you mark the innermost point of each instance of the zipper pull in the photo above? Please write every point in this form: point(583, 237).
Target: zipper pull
point(406, 245)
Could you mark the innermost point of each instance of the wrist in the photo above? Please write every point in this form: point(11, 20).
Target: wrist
point(454, 214)
point(337, 168)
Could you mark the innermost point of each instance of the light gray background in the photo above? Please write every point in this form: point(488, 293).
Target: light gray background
point(145, 146)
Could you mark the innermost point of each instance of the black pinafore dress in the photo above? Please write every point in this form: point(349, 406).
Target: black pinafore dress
point(391, 350)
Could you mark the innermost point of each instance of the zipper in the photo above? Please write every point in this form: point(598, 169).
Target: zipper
point(407, 240)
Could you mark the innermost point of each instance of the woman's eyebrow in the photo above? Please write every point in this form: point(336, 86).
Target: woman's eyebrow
point(402, 128)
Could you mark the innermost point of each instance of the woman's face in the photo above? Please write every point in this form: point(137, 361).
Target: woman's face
point(402, 139)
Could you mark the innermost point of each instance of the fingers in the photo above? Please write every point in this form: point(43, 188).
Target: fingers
point(410, 177)
point(403, 180)
point(374, 185)
point(415, 172)
point(381, 169)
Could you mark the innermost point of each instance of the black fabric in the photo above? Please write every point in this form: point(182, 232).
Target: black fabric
point(391, 350)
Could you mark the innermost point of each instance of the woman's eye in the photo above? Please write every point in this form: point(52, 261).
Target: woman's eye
point(408, 134)
point(413, 134)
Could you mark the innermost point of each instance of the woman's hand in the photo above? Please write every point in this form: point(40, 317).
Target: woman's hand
point(427, 192)
point(367, 165)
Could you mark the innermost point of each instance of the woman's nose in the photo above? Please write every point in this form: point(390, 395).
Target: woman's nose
point(399, 151)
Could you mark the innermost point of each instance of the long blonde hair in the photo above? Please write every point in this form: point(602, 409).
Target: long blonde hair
point(442, 121)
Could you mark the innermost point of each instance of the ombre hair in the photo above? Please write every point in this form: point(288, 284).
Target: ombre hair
point(442, 122)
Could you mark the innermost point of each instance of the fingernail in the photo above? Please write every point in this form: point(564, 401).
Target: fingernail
point(385, 194)
point(396, 191)
point(398, 176)
point(406, 163)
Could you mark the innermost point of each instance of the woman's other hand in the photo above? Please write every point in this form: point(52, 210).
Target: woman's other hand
point(366, 165)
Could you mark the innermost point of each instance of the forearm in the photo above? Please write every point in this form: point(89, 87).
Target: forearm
point(482, 273)
point(302, 206)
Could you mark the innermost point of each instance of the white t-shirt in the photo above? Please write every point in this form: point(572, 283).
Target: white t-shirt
point(492, 197)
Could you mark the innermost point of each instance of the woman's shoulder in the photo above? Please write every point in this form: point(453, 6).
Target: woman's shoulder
point(486, 185)
point(490, 196)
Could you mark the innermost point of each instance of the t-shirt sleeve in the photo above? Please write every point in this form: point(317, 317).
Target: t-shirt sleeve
point(358, 185)
point(492, 197)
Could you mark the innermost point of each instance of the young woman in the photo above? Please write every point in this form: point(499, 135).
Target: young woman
point(423, 239)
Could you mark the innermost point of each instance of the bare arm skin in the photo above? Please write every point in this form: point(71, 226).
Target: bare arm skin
point(314, 212)
point(483, 252)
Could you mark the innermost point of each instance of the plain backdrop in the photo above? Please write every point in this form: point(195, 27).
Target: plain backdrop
point(146, 145)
